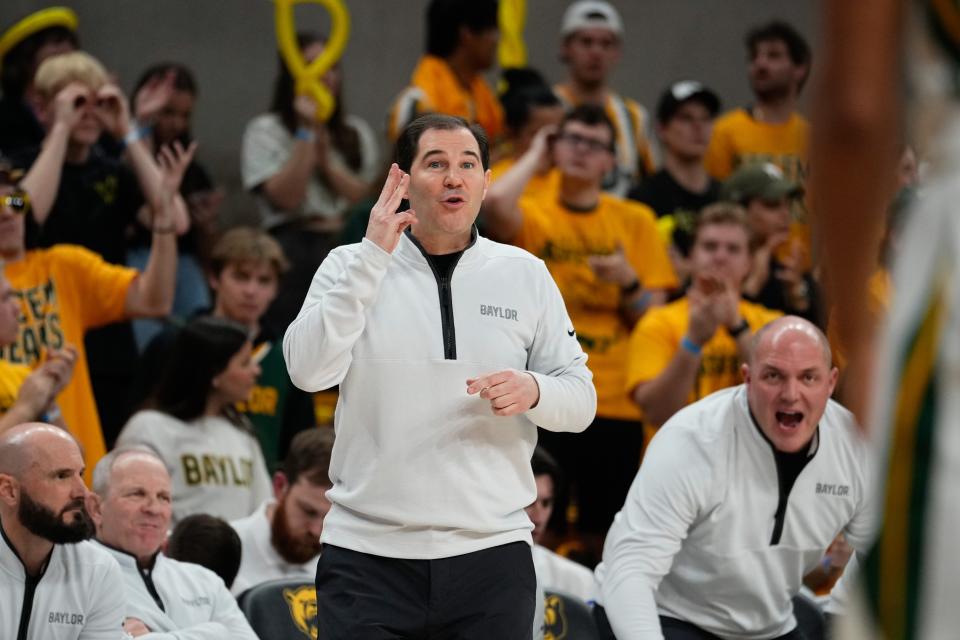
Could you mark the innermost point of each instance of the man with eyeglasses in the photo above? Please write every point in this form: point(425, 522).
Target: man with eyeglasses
point(66, 290)
point(611, 266)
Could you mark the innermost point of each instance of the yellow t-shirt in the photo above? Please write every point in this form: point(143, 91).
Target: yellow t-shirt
point(434, 88)
point(64, 291)
point(739, 139)
point(545, 185)
point(564, 239)
point(11, 377)
point(656, 339)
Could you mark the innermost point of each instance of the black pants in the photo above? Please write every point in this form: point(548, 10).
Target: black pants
point(674, 629)
point(481, 595)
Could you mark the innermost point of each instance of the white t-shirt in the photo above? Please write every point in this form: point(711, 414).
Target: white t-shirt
point(556, 573)
point(260, 561)
point(216, 467)
point(267, 145)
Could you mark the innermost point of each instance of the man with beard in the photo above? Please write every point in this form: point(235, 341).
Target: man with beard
point(55, 585)
point(770, 129)
point(282, 538)
point(131, 507)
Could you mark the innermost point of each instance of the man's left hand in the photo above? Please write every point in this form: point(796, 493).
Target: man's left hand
point(510, 392)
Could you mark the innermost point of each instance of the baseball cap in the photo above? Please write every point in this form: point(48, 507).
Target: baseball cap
point(591, 14)
point(759, 180)
point(35, 23)
point(684, 91)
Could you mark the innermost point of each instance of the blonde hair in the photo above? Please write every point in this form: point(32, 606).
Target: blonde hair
point(720, 213)
point(247, 244)
point(57, 72)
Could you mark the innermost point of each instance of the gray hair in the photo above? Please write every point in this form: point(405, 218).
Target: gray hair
point(104, 469)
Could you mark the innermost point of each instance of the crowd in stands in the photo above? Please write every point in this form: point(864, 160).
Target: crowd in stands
point(148, 331)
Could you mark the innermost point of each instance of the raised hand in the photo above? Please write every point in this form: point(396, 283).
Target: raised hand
point(725, 303)
point(703, 322)
point(70, 103)
point(59, 366)
point(540, 145)
point(386, 224)
point(510, 392)
point(306, 110)
point(760, 269)
point(173, 161)
point(153, 97)
point(112, 111)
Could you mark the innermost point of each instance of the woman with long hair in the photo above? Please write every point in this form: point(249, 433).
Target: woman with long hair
point(305, 173)
point(191, 422)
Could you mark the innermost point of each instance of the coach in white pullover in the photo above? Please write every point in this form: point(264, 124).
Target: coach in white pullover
point(448, 349)
point(737, 499)
point(167, 599)
point(53, 584)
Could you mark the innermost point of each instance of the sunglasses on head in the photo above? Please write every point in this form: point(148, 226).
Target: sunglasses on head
point(17, 201)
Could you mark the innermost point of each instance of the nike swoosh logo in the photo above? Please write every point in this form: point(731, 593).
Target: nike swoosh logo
point(571, 333)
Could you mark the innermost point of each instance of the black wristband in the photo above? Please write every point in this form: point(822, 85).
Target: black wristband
point(631, 288)
point(739, 329)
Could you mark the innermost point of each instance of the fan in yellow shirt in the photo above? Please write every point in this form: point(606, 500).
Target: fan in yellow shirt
point(27, 396)
point(770, 130)
point(695, 346)
point(528, 105)
point(65, 290)
point(462, 40)
point(606, 256)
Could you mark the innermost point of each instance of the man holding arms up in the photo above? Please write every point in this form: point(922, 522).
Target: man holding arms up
point(448, 349)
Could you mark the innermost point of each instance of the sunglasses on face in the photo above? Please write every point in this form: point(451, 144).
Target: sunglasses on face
point(16, 201)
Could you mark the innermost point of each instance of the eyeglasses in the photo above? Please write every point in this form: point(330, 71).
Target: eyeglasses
point(592, 144)
point(16, 201)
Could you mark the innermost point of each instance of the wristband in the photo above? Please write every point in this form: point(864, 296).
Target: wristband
point(631, 288)
point(170, 228)
point(305, 133)
point(690, 346)
point(739, 329)
point(136, 134)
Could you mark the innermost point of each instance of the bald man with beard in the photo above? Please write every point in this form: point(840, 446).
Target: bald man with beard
point(56, 585)
point(737, 499)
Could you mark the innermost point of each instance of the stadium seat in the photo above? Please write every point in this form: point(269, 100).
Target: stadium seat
point(281, 609)
point(567, 618)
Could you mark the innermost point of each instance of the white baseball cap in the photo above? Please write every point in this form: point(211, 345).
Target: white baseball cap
point(591, 14)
